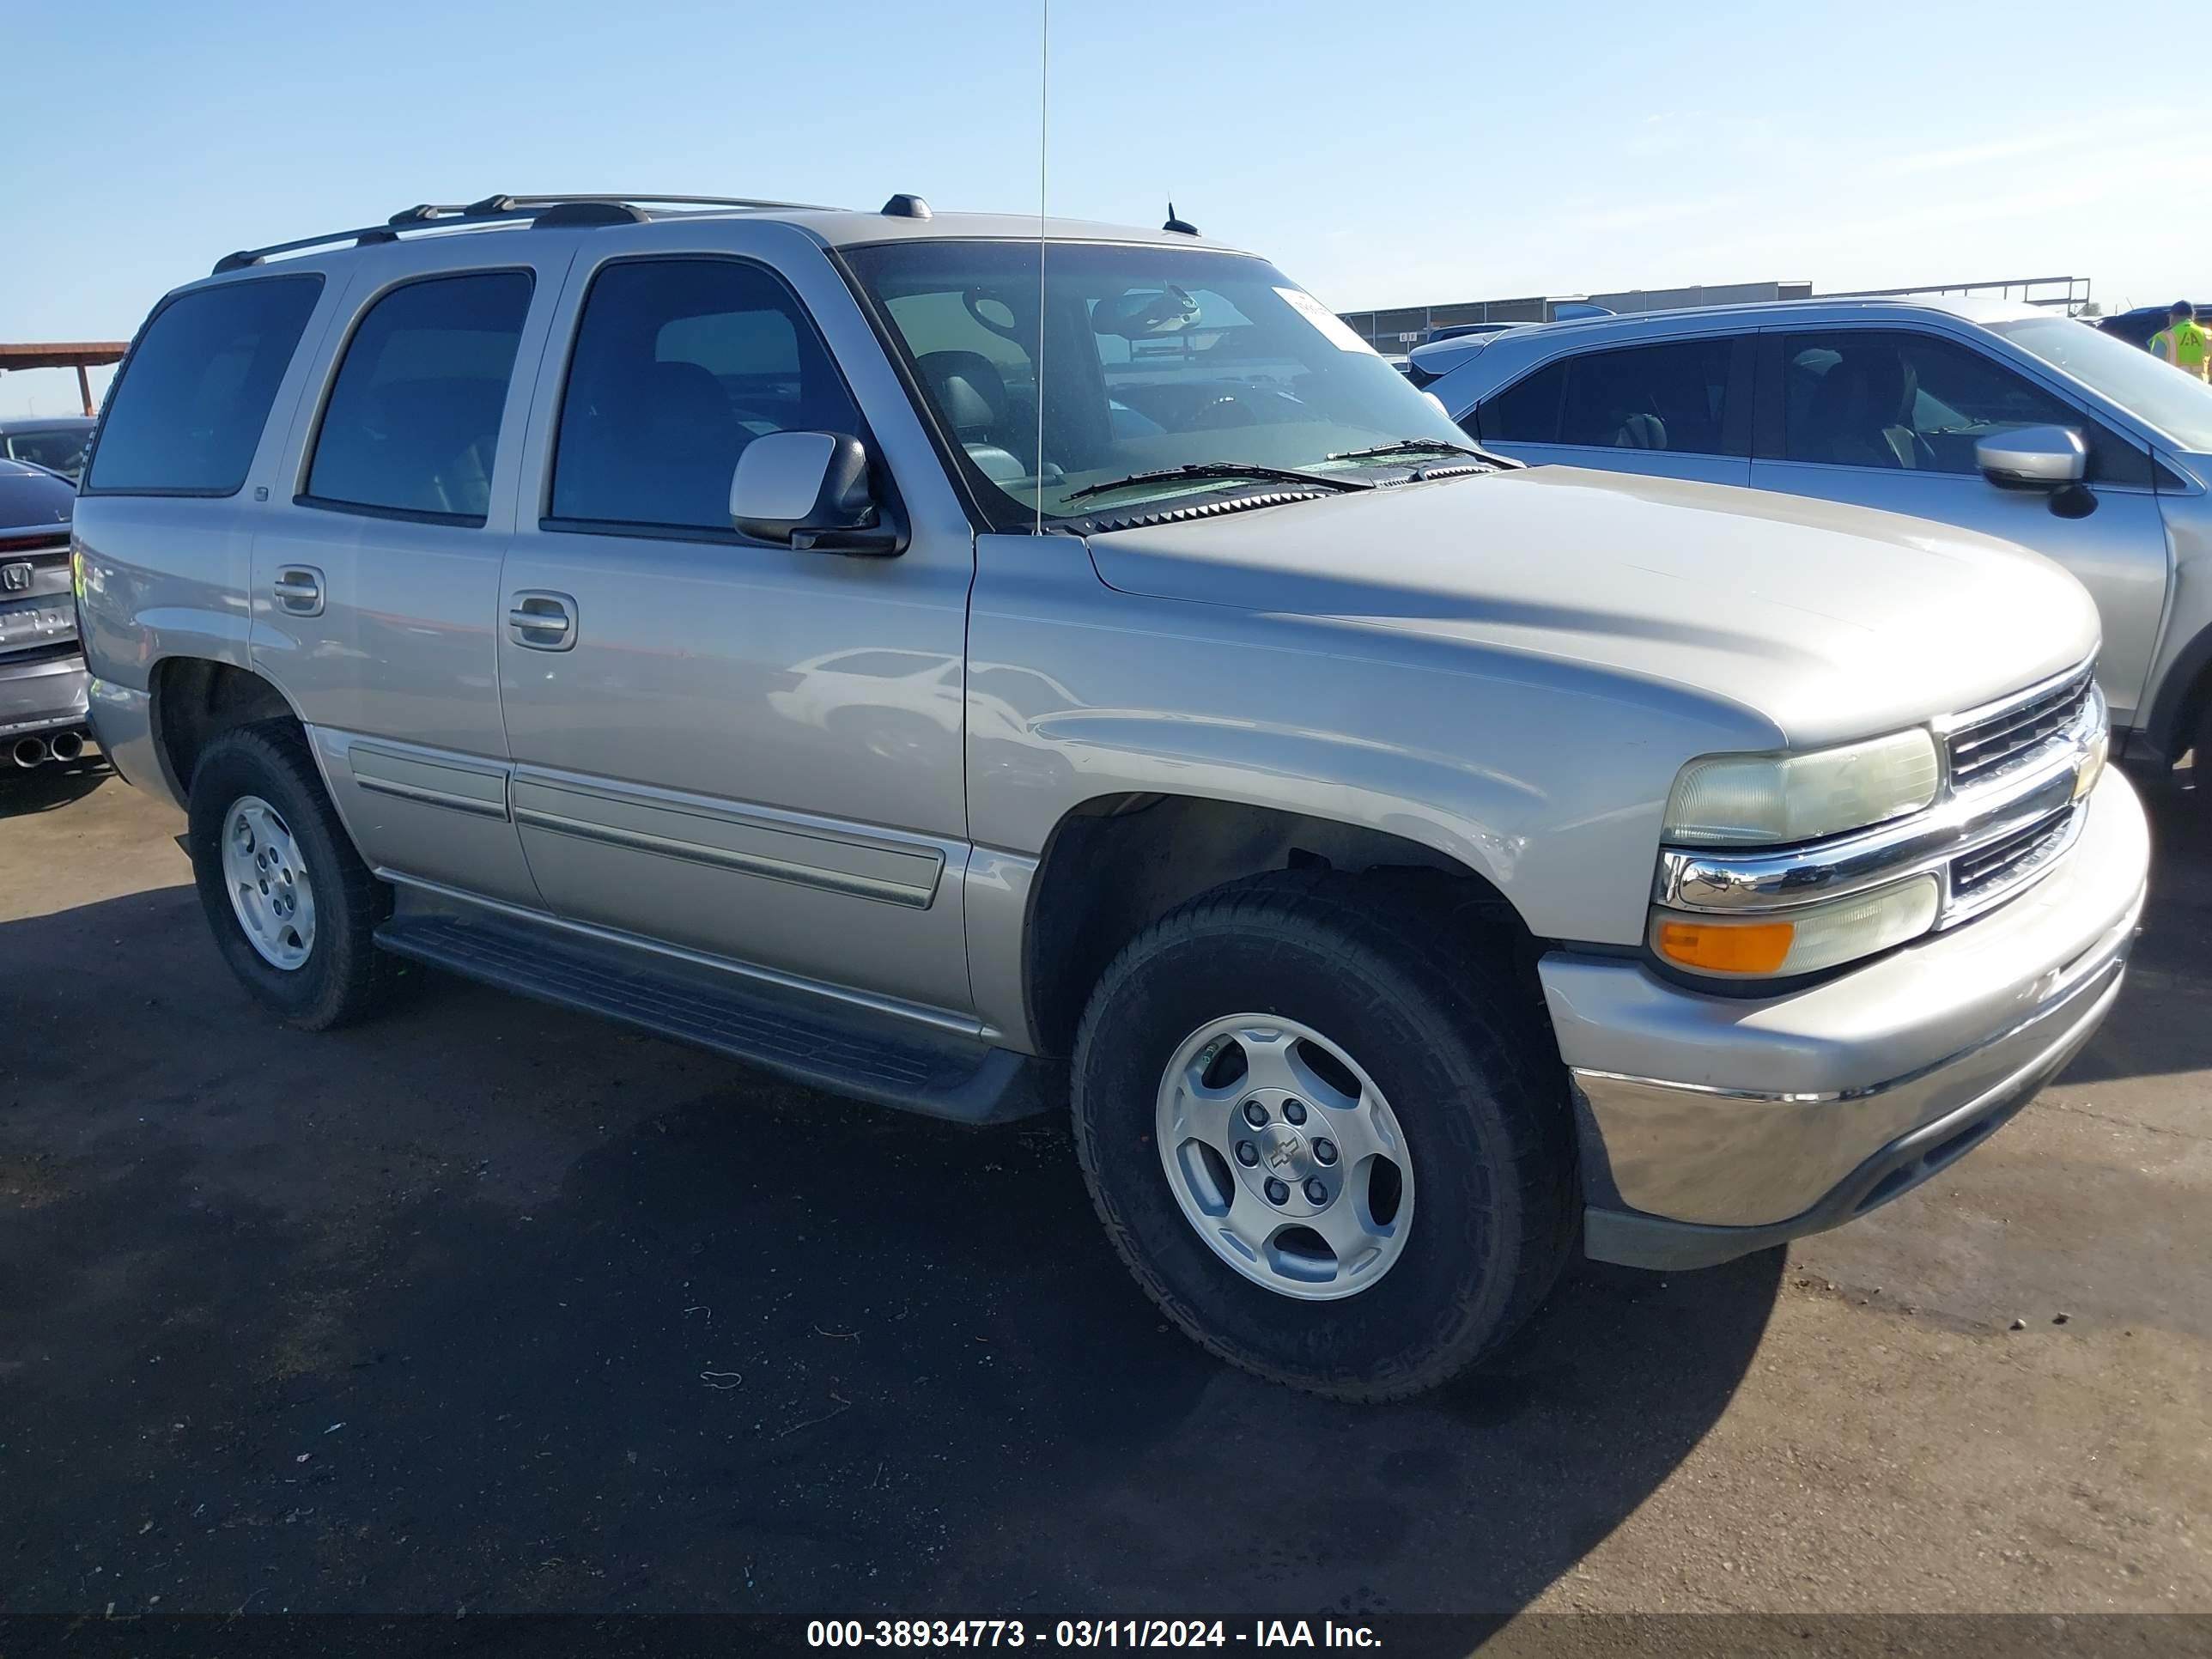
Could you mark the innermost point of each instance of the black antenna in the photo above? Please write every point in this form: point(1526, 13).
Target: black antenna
point(1180, 227)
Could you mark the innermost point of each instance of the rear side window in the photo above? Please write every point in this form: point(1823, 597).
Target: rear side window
point(412, 425)
point(186, 413)
point(1526, 412)
point(679, 364)
point(1671, 397)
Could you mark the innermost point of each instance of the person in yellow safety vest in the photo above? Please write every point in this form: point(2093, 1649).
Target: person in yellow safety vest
point(2182, 341)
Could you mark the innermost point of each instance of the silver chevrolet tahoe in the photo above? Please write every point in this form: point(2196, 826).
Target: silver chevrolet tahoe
point(969, 671)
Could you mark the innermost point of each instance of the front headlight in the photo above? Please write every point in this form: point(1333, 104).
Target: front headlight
point(1755, 800)
point(1778, 945)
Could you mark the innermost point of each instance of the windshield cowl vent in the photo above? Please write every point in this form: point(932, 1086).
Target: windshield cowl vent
point(1429, 472)
point(1101, 523)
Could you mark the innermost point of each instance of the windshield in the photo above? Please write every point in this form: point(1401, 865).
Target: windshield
point(63, 450)
point(1155, 358)
point(2178, 404)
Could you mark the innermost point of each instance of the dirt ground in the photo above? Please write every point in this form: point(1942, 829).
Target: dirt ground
point(489, 1307)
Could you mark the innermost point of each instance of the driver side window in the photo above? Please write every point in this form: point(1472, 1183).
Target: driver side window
point(1902, 401)
point(678, 365)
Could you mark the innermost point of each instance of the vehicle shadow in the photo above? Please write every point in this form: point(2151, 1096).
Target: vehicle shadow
point(485, 1307)
point(42, 788)
point(2162, 1023)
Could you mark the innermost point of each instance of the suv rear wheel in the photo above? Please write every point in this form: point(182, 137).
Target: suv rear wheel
point(1326, 1135)
point(294, 909)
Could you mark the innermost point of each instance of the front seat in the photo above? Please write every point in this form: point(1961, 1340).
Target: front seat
point(1641, 432)
point(969, 392)
point(683, 439)
point(971, 395)
point(1863, 415)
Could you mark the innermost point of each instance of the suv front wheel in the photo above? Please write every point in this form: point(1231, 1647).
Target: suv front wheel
point(294, 909)
point(1324, 1132)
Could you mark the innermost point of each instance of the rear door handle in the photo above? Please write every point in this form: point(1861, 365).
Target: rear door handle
point(299, 590)
point(542, 621)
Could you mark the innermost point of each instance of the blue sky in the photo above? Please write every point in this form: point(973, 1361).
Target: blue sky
point(1380, 154)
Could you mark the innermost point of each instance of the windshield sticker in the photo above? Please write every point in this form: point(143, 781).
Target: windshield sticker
point(1332, 327)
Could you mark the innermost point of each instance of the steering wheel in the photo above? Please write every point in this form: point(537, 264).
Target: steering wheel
point(1227, 409)
point(1248, 406)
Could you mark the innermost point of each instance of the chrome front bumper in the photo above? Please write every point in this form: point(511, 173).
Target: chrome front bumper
point(1715, 1125)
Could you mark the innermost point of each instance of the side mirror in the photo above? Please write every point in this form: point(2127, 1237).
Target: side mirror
point(809, 490)
point(2033, 457)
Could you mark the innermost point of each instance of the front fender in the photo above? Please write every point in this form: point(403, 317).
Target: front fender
point(1548, 778)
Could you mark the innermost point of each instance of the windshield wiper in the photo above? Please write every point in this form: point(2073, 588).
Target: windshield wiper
point(1404, 445)
point(1220, 470)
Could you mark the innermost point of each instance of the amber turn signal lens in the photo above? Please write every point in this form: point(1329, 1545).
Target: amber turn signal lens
point(1753, 947)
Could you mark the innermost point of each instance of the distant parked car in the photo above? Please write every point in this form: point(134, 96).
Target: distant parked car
point(1999, 418)
point(56, 442)
point(42, 679)
point(2137, 326)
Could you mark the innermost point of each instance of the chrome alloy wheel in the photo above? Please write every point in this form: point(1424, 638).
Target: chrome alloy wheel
point(268, 888)
point(1284, 1157)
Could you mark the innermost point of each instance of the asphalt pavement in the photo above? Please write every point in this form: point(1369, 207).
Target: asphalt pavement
point(486, 1308)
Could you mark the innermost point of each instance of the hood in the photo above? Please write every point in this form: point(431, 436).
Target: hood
point(1830, 622)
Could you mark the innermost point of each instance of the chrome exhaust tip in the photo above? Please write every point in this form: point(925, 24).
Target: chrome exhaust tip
point(66, 746)
point(29, 751)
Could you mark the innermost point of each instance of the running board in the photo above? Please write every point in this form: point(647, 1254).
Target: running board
point(869, 1057)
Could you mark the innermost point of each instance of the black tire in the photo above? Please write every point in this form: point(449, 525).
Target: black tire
point(345, 977)
point(1459, 1047)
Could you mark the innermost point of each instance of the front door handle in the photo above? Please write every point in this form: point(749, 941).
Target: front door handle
point(542, 621)
point(299, 590)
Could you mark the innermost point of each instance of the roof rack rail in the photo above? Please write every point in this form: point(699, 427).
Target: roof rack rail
point(671, 201)
point(548, 210)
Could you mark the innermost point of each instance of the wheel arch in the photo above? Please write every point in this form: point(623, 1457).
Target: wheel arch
point(1115, 864)
point(194, 700)
point(2184, 694)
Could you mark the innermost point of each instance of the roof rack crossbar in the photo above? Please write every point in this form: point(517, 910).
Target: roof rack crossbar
point(489, 211)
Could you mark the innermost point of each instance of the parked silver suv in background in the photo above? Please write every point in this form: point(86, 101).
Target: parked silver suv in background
point(42, 677)
point(712, 617)
point(1986, 414)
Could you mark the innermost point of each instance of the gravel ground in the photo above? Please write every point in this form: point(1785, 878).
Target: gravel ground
point(489, 1307)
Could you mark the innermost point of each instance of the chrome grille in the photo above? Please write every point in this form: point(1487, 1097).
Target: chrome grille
point(1998, 866)
point(2023, 772)
point(1985, 747)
